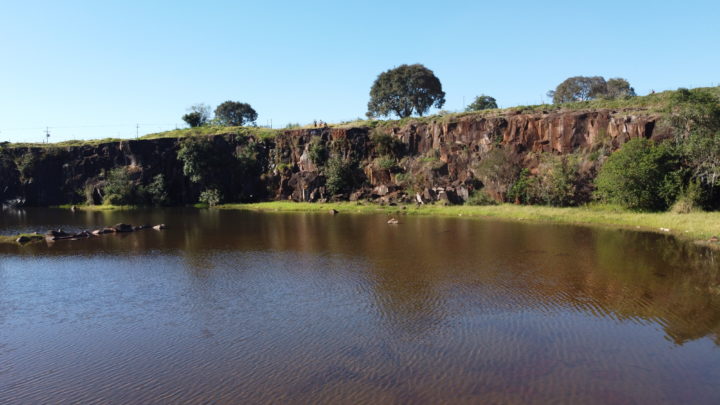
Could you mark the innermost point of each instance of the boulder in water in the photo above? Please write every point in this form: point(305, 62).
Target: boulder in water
point(57, 235)
point(123, 228)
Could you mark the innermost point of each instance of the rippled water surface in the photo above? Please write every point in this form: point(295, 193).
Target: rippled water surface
point(239, 307)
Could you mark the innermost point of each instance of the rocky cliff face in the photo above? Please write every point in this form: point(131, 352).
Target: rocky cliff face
point(427, 160)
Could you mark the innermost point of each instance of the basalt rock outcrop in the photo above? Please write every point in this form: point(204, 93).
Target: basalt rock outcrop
point(435, 158)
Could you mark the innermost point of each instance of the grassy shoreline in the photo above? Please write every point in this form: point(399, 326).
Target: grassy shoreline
point(696, 227)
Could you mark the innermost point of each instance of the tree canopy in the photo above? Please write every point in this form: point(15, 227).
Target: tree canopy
point(405, 90)
point(233, 113)
point(482, 102)
point(197, 116)
point(619, 88)
point(584, 88)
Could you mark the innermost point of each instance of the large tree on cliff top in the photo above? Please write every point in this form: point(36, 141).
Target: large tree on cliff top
point(578, 88)
point(619, 88)
point(235, 114)
point(583, 88)
point(405, 90)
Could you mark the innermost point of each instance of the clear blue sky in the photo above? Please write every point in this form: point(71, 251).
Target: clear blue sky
point(91, 69)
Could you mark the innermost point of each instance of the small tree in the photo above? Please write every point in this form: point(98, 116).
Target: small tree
point(497, 172)
point(118, 187)
point(199, 159)
point(197, 116)
point(556, 182)
point(338, 175)
point(235, 114)
point(641, 175)
point(405, 90)
point(210, 197)
point(157, 190)
point(695, 117)
point(482, 102)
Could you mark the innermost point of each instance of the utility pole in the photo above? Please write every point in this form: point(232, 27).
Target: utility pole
point(137, 131)
point(47, 135)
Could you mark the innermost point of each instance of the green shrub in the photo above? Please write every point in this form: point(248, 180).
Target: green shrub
point(210, 197)
point(317, 151)
point(642, 175)
point(498, 172)
point(386, 144)
point(197, 156)
point(556, 183)
point(156, 191)
point(385, 163)
point(689, 200)
point(119, 188)
point(404, 179)
point(520, 190)
point(338, 175)
point(480, 197)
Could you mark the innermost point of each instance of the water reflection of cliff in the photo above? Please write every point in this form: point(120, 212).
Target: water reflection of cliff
point(425, 270)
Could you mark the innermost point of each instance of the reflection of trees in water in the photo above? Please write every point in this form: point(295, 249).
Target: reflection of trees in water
point(674, 283)
point(419, 267)
point(638, 277)
point(427, 269)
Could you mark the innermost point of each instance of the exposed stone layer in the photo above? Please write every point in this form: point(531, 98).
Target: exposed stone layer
point(52, 176)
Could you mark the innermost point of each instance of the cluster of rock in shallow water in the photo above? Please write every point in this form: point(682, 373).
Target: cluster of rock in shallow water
point(59, 234)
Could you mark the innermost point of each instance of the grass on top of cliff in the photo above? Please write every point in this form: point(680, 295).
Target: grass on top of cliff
point(63, 144)
point(656, 103)
point(652, 103)
point(258, 132)
point(697, 226)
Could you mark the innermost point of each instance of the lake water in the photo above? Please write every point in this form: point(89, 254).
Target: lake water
point(240, 307)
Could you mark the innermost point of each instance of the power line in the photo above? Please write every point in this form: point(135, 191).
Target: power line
point(86, 126)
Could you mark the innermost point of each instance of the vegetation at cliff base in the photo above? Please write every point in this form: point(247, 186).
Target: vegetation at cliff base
point(641, 175)
point(338, 175)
